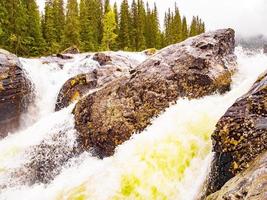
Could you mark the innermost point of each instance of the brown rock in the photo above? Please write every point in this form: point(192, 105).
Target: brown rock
point(240, 135)
point(197, 67)
point(15, 92)
point(249, 185)
point(102, 58)
point(71, 50)
point(64, 56)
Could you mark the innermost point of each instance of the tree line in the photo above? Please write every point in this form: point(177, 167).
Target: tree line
point(91, 25)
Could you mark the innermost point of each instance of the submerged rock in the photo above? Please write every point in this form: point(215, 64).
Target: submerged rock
point(240, 135)
point(250, 184)
point(112, 67)
point(197, 67)
point(15, 92)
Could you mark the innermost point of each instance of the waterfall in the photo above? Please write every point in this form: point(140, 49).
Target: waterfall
point(169, 160)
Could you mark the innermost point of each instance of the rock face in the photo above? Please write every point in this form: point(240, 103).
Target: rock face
point(15, 92)
point(197, 67)
point(240, 135)
point(111, 67)
point(250, 184)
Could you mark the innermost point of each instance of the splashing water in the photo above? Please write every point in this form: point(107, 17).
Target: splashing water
point(169, 160)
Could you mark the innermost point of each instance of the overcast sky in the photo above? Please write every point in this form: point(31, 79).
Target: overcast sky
point(247, 17)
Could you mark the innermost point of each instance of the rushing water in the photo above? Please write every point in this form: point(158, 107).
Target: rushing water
point(169, 160)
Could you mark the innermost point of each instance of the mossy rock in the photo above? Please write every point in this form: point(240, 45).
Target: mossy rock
point(200, 66)
point(240, 135)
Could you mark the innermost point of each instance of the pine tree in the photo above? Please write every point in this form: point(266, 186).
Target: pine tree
point(109, 26)
point(72, 27)
point(124, 36)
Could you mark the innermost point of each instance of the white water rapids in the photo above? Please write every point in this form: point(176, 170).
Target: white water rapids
point(169, 160)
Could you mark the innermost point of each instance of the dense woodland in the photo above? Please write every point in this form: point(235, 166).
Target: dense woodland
point(91, 25)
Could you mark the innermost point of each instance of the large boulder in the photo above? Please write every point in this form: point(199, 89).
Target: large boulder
point(250, 184)
point(15, 92)
point(111, 66)
point(200, 66)
point(240, 135)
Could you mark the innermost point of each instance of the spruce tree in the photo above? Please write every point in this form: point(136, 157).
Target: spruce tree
point(184, 29)
point(91, 29)
point(134, 26)
point(124, 36)
point(34, 41)
point(109, 26)
point(71, 31)
point(177, 26)
point(148, 27)
point(168, 28)
point(193, 27)
point(59, 20)
point(141, 23)
point(3, 23)
point(48, 27)
point(155, 29)
point(14, 29)
point(106, 6)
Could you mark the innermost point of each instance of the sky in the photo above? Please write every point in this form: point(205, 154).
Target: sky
point(247, 17)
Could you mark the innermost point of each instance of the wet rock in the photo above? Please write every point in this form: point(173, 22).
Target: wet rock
point(200, 66)
point(78, 86)
point(250, 184)
point(240, 135)
point(102, 58)
point(71, 50)
point(15, 92)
